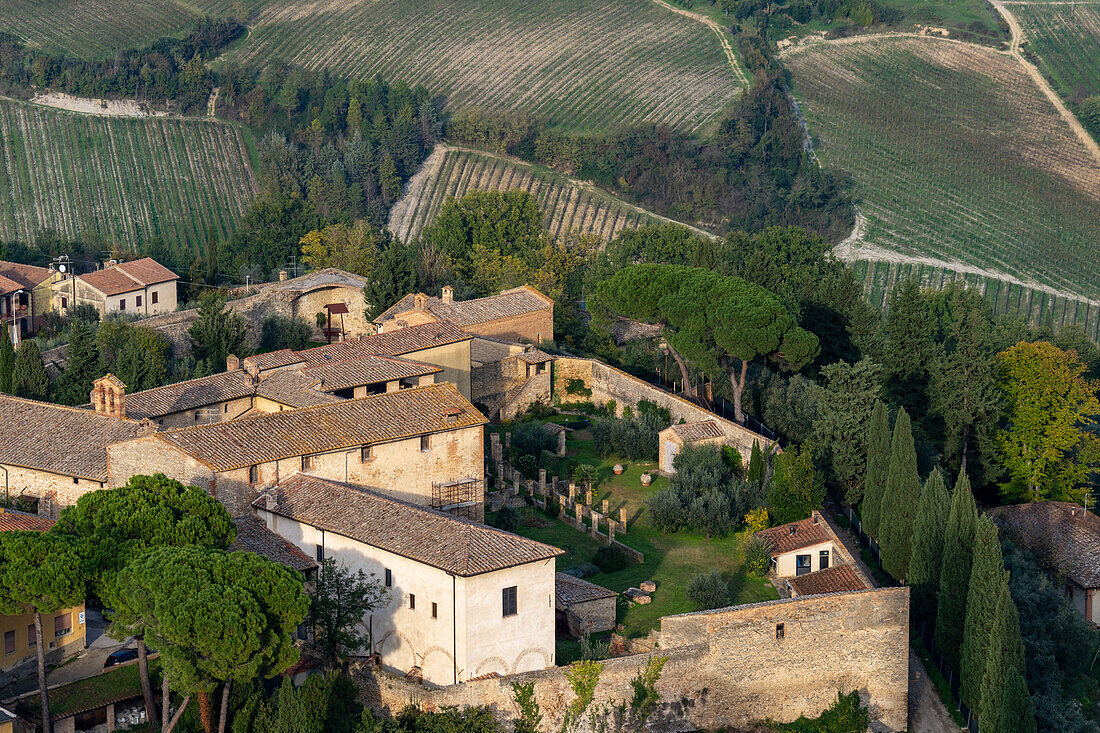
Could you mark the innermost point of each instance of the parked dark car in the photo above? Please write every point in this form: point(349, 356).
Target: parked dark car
point(122, 655)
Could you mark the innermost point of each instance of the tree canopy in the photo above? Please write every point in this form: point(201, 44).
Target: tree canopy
point(217, 333)
point(28, 377)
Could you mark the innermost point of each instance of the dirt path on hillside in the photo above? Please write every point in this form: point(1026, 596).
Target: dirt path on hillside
point(1040, 80)
point(723, 37)
point(98, 107)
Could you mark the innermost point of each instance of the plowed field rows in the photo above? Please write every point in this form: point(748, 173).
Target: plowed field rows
point(956, 154)
point(577, 63)
point(450, 173)
point(1067, 39)
point(126, 180)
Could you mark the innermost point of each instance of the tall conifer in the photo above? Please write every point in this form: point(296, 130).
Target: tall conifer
point(900, 501)
point(29, 377)
point(958, 542)
point(756, 464)
point(927, 558)
point(1006, 652)
point(1017, 715)
point(81, 367)
point(987, 577)
point(7, 360)
point(878, 461)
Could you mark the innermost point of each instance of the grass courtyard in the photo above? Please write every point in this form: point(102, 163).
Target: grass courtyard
point(670, 560)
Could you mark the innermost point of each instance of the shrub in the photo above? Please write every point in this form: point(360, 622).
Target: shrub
point(757, 520)
point(708, 590)
point(538, 411)
point(528, 466)
point(710, 514)
point(632, 437)
point(666, 512)
point(758, 556)
point(592, 648)
point(506, 519)
point(531, 439)
point(732, 458)
point(610, 559)
point(577, 386)
point(585, 570)
point(285, 332)
point(847, 715)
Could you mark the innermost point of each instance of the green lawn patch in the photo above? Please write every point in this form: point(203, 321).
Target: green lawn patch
point(120, 683)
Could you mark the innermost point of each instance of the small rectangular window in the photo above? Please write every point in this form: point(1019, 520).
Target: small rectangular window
point(307, 463)
point(780, 631)
point(365, 454)
point(137, 301)
point(508, 600)
point(32, 636)
point(226, 408)
point(389, 578)
point(435, 610)
point(412, 601)
point(9, 642)
point(156, 298)
point(122, 304)
point(425, 443)
point(319, 551)
point(823, 560)
point(196, 415)
point(76, 480)
point(253, 474)
point(64, 302)
point(62, 625)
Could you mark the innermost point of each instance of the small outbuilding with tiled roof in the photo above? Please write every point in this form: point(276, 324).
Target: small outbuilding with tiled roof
point(672, 439)
point(254, 536)
point(802, 547)
point(1066, 537)
point(583, 607)
point(465, 599)
point(518, 314)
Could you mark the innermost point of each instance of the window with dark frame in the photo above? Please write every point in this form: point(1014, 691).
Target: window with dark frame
point(226, 408)
point(32, 636)
point(435, 610)
point(76, 480)
point(156, 298)
point(253, 474)
point(319, 551)
point(412, 601)
point(9, 642)
point(823, 560)
point(137, 301)
point(365, 454)
point(64, 302)
point(508, 601)
point(780, 631)
point(62, 624)
point(307, 463)
point(122, 304)
point(389, 578)
point(425, 443)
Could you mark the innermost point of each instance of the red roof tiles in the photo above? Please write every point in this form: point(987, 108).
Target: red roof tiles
point(796, 535)
point(13, 521)
point(837, 579)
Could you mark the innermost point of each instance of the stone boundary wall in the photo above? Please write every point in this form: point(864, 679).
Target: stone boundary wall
point(725, 668)
point(609, 383)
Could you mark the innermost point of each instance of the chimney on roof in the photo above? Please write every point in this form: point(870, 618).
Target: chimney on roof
point(420, 301)
point(792, 529)
point(817, 518)
point(109, 396)
point(232, 363)
point(448, 294)
point(282, 275)
point(271, 500)
point(253, 370)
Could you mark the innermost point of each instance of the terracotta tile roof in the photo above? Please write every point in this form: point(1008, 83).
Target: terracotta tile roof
point(254, 536)
point(190, 395)
point(27, 276)
point(535, 356)
point(391, 343)
point(837, 579)
point(272, 359)
point(375, 419)
point(13, 521)
point(796, 535)
point(569, 590)
point(294, 389)
point(514, 302)
point(127, 276)
point(702, 430)
point(7, 285)
point(457, 546)
point(1064, 534)
point(62, 440)
point(367, 370)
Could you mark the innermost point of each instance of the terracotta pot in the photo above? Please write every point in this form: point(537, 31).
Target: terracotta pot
point(618, 469)
point(646, 479)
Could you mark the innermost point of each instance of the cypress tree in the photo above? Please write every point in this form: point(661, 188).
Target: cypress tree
point(7, 361)
point(1006, 652)
point(1016, 713)
point(987, 577)
point(29, 378)
point(81, 368)
point(900, 501)
point(878, 460)
point(756, 464)
point(927, 558)
point(958, 542)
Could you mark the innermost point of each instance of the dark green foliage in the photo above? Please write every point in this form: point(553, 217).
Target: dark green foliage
point(758, 555)
point(878, 464)
point(847, 403)
point(708, 590)
point(339, 600)
point(7, 360)
point(792, 406)
point(987, 577)
point(217, 333)
point(927, 558)
point(479, 719)
point(1017, 715)
point(666, 512)
point(506, 519)
point(529, 715)
point(900, 501)
point(531, 439)
point(323, 704)
point(81, 366)
point(796, 489)
point(847, 715)
point(138, 355)
point(705, 493)
point(285, 332)
point(711, 514)
point(1005, 652)
point(958, 544)
point(1089, 112)
point(28, 377)
point(756, 464)
point(611, 559)
point(908, 350)
point(633, 437)
point(393, 278)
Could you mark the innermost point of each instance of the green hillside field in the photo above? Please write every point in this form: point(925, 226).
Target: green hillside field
point(126, 180)
point(1067, 40)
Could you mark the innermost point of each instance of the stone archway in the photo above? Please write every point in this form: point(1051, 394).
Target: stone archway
point(532, 651)
point(491, 664)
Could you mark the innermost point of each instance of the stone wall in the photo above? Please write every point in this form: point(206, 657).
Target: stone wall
point(726, 668)
point(54, 491)
point(609, 383)
point(530, 327)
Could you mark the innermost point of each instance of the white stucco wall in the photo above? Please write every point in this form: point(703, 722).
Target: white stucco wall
point(786, 563)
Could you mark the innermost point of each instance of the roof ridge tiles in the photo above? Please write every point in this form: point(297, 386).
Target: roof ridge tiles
point(70, 408)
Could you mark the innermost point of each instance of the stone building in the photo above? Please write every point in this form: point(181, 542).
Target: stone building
point(1066, 537)
point(25, 298)
point(423, 445)
point(52, 455)
point(672, 439)
point(520, 314)
point(62, 632)
point(506, 377)
point(466, 600)
point(143, 287)
point(583, 607)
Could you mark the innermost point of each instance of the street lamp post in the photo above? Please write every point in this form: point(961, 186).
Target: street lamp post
point(14, 313)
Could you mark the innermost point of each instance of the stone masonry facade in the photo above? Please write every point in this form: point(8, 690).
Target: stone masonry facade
point(728, 668)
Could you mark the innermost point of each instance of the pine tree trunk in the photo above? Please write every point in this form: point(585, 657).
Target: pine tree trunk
point(680, 363)
point(165, 705)
point(40, 649)
point(206, 715)
point(146, 685)
point(170, 725)
point(225, 706)
point(738, 388)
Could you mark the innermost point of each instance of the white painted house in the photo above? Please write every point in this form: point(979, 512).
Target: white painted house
point(803, 547)
point(467, 600)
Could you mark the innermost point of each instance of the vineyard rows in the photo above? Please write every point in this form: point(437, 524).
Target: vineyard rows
point(1067, 39)
point(126, 180)
point(578, 64)
point(450, 174)
point(1035, 305)
point(956, 154)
